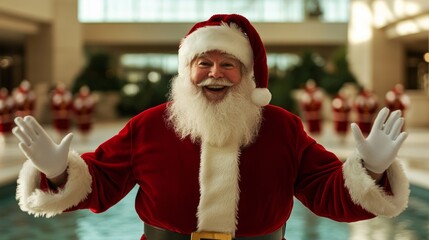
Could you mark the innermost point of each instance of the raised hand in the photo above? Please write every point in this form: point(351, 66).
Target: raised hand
point(47, 156)
point(380, 148)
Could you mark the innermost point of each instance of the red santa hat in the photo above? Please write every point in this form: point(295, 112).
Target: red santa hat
point(235, 35)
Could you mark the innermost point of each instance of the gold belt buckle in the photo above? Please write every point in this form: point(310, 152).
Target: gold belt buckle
point(211, 236)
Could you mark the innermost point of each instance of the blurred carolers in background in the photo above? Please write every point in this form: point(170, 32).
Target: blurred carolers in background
point(341, 108)
point(365, 106)
point(25, 99)
point(61, 105)
point(83, 108)
point(66, 109)
point(19, 102)
point(311, 102)
point(78, 110)
point(396, 99)
point(7, 108)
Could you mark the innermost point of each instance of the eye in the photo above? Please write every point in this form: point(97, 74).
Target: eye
point(203, 63)
point(228, 65)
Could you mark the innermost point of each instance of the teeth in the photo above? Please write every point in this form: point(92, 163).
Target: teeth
point(215, 87)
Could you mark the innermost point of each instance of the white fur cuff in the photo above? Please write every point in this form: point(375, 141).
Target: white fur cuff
point(33, 200)
point(366, 193)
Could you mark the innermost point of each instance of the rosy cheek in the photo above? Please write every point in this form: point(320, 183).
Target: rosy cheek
point(236, 79)
point(196, 77)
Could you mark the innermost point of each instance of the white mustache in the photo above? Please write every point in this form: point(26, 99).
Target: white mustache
point(217, 82)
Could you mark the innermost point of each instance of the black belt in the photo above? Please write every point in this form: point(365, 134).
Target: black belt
point(155, 233)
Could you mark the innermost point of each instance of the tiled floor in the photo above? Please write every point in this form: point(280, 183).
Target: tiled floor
point(414, 152)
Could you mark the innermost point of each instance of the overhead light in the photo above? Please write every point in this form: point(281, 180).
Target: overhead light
point(131, 89)
point(360, 27)
point(423, 22)
point(407, 27)
point(154, 77)
point(6, 62)
point(426, 57)
point(383, 14)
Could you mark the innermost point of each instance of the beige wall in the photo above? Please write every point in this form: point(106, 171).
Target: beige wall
point(171, 33)
point(55, 53)
point(35, 10)
point(67, 42)
point(22, 17)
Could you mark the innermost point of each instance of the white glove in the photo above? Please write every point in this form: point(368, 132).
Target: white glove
point(35, 143)
point(381, 146)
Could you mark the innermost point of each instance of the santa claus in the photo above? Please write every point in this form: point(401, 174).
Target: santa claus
point(215, 162)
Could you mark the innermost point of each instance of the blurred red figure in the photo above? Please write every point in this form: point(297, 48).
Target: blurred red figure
point(24, 98)
point(61, 104)
point(366, 106)
point(7, 107)
point(311, 103)
point(83, 107)
point(341, 108)
point(396, 99)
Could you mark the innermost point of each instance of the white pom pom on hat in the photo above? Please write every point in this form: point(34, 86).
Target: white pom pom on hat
point(233, 34)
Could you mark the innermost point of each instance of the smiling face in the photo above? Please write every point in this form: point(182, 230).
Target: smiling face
point(215, 73)
point(211, 101)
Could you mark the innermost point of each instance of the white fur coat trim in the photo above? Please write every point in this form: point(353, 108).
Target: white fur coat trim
point(366, 193)
point(33, 200)
point(219, 189)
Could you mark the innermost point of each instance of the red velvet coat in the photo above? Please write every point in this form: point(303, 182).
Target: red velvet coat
point(282, 163)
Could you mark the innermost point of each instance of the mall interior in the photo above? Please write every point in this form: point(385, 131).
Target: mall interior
point(125, 51)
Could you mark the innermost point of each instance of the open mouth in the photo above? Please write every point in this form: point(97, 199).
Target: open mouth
point(215, 88)
point(215, 93)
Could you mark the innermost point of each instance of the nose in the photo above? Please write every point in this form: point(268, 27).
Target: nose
point(216, 71)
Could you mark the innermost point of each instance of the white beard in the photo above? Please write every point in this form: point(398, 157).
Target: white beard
point(235, 118)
